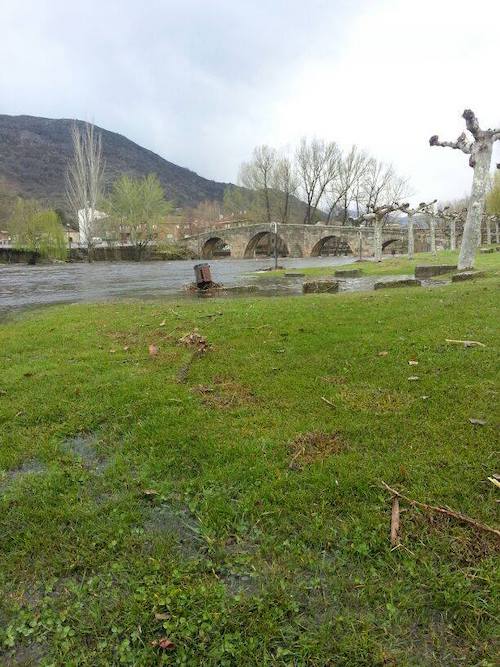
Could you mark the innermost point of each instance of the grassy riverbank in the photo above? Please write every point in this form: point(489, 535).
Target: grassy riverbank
point(393, 266)
point(217, 500)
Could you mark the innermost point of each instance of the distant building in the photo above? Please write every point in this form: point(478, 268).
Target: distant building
point(72, 237)
point(4, 238)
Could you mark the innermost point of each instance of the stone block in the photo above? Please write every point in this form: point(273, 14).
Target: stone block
point(403, 282)
point(486, 251)
point(466, 275)
point(348, 273)
point(320, 286)
point(429, 270)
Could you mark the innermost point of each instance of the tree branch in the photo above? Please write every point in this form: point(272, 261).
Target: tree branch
point(461, 143)
point(471, 123)
point(443, 510)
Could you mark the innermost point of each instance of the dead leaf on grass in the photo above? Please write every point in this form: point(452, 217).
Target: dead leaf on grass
point(477, 422)
point(164, 644)
point(384, 353)
point(196, 340)
point(153, 351)
point(162, 617)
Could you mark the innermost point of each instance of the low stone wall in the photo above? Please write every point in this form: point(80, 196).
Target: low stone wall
point(122, 254)
point(403, 282)
point(320, 286)
point(16, 256)
point(429, 270)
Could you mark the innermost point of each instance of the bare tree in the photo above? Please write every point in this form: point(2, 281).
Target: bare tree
point(85, 180)
point(422, 208)
point(480, 150)
point(317, 166)
point(257, 175)
point(284, 184)
point(376, 216)
point(342, 189)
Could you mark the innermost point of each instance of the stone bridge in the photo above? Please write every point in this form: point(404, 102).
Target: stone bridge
point(303, 240)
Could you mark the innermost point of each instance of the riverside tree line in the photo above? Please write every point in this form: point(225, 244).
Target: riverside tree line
point(315, 182)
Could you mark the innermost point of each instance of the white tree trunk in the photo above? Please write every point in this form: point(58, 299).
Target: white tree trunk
point(497, 232)
point(453, 235)
point(472, 228)
point(488, 231)
point(432, 230)
point(411, 238)
point(377, 240)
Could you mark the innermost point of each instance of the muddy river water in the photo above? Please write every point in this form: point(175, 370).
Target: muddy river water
point(23, 286)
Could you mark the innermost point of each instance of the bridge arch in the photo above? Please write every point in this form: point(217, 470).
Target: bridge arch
point(394, 245)
point(214, 247)
point(339, 246)
point(260, 240)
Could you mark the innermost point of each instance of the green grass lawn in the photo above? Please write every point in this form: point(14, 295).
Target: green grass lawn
point(396, 265)
point(218, 501)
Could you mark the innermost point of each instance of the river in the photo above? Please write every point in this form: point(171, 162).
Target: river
point(23, 286)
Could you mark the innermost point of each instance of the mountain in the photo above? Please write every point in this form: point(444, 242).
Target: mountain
point(34, 153)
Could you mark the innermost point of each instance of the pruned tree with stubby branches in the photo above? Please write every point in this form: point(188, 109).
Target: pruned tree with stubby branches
point(450, 217)
point(480, 149)
point(377, 216)
point(424, 208)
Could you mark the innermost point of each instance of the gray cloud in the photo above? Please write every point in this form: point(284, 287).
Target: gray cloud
point(202, 82)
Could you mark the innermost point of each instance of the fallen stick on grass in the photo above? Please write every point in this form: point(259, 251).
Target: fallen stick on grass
point(327, 401)
point(443, 510)
point(395, 522)
point(465, 343)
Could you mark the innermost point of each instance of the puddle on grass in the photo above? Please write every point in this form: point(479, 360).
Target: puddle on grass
point(83, 447)
point(31, 467)
point(24, 656)
point(293, 284)
point(164, 520)
point(239, 584)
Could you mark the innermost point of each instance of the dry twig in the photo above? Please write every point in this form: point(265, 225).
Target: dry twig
point(465, 343)
point(443, 510)
point(395, 522)
point(327, 402)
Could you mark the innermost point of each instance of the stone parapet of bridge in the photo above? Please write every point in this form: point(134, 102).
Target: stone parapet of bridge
point(304, 240)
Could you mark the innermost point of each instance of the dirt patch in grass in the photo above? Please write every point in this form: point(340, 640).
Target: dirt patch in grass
point(374, 399)
point(311, 447)
point(32, 467)
point(224, 394)
point(334, 379)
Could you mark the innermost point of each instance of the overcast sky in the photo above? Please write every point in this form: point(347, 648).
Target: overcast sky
point(201, 82)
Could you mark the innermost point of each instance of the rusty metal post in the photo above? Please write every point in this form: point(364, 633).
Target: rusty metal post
point(202, 275)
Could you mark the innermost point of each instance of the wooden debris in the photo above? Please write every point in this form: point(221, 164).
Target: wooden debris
point(494, 481)
point(443, 510)
point(327, 402)
point(465, 343)
point(395, 522)
point(477, 422)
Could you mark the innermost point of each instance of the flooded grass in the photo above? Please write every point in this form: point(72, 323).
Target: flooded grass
point(235, 556)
